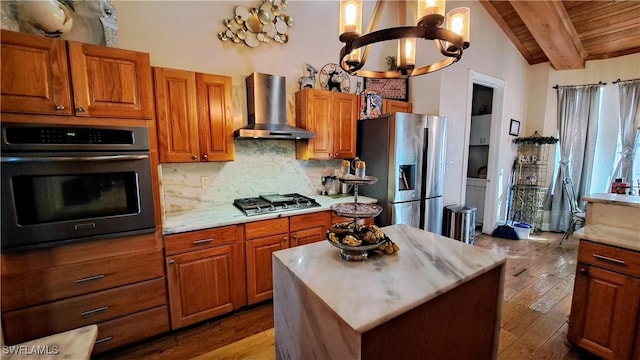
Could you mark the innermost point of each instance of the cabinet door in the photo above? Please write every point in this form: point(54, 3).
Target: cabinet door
point(177, 117)
point(480, 130)
point(604, 312)
point(109, 82)
point(259, 268)
point(215, 117)
point(391, 106)
point(204, 284)
point(344, 114)
point(313, 112)
point(35, 75)
point(308, 236)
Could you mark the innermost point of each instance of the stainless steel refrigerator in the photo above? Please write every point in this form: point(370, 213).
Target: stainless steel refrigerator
point(406, 152)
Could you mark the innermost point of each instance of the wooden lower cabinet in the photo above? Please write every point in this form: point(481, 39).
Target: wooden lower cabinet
point(58, 316)
point(129, 329)
point(259, 269)
point(208, 282)
point(118, 284)
point(605, 306)
point(308, 228)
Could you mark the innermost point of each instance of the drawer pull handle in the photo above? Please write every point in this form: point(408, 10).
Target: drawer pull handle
point(94, 311)
point(606, 258)
point(90, 278)
point(108, 338)
point(202, 242)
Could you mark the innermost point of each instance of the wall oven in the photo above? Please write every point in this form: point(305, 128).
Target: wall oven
point(63, 184)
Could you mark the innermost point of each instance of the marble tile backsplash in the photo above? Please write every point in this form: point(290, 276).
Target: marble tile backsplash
point(261, 167)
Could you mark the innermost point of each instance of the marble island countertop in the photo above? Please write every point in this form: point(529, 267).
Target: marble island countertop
point(368, 293)
point(229, 215)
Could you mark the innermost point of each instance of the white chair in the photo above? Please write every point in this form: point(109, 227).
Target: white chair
point(577, 215)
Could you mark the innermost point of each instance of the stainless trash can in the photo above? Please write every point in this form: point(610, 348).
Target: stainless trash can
point(459, 223)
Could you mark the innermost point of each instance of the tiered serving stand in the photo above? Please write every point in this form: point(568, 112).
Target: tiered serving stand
point(355, 211)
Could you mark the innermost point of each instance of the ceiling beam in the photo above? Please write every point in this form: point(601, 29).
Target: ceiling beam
point(550, 25)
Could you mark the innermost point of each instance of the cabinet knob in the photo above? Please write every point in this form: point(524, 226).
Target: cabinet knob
point(81, 109)
point(584, 271)
point(60, 107)
point(205, 157)
point(194, 157)
point(171, 262)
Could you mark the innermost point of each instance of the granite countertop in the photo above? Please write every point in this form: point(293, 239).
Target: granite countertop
point(609, 235)
point(229, 215)
point(368, 293)
point(617, 199)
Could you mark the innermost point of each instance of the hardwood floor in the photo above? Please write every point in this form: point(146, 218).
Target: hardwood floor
point(537, 299)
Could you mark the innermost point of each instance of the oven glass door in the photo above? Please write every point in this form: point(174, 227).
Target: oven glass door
point(49, 199)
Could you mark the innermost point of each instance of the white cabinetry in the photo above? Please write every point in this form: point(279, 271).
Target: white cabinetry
point(476, 189)
point(480, 129)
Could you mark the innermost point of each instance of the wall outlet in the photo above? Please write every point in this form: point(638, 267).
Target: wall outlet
point(205, 182)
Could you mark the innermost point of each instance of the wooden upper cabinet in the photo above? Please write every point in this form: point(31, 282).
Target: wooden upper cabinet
point(35, 75)
point(391, 106)
point(344, 113)
point(177, 116)
point(110, 82)
point(56, 77)
point(332, 117)
point(194, 116)
point(216, 117)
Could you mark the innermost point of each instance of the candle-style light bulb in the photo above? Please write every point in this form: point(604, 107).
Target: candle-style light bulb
point(430, 7)
point(458, 22)
point(350, 16)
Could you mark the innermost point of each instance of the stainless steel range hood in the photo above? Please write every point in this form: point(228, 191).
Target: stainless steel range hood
point(267, 110)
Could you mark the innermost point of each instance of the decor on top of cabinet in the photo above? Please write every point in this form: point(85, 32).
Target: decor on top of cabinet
point(258, 25)
point(371, 106)
point(395, 89)
point(333, 78)
point(91, 22)
point(308, 81)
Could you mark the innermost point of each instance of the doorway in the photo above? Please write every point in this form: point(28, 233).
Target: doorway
point(479, 146)
point(484, 180)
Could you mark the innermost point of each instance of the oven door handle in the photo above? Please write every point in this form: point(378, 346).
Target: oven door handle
point(18, 159)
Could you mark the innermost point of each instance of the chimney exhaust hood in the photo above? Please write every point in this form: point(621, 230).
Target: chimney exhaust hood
point(267, 110)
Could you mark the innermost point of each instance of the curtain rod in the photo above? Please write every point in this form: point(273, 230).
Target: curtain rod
point(619, 81)
point(599, 83)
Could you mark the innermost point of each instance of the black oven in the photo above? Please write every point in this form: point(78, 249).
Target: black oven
point(63, 184)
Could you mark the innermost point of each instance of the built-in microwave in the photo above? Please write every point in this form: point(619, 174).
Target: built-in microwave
point(63, 184)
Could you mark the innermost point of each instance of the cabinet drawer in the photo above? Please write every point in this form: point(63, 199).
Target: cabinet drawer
point(259, 229)
point(196, 240)
point(39, 286)
point(128, 329)
point(308, 221)
point(55, 317)
point(610, 257)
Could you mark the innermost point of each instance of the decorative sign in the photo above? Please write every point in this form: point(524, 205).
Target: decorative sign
point(395, 89)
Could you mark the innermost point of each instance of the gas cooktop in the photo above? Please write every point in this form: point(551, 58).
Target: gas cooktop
point(271, 203)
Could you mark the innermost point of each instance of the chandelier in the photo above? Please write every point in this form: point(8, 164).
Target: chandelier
point(450, 40)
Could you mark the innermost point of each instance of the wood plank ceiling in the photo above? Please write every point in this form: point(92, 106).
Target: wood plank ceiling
point(568, 33)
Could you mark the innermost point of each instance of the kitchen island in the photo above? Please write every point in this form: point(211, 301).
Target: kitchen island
point(437, 298)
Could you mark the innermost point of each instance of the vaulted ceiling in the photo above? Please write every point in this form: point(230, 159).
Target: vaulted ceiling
point(568, 33)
